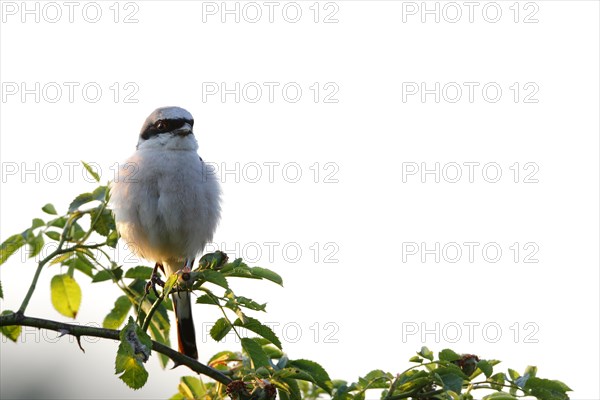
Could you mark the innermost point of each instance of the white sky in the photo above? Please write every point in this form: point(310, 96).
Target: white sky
point(366, 291)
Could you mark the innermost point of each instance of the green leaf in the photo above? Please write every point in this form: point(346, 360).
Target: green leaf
point(162, 337)
point(104, 222)
point(315, 370)
point(546, 389)
point(513, 374)
point(53, 235)
point(448, 355)
point(207, 299)
point(37, 222)
point(416, 359)
point(452, 382)
point(499, 396)
point(36, 243)
point(57, 222)
point(497, 381)
point(79, 262)
point(214, 277)
point(1, 293)
point(117, 315)
point(426, 353)
point(10, 331)
point(134, 350)
point(486, 368)
point(191, 388)
point(171, 281)
point(65, 294)
point(10, 246)
point(255, 352)
point(89, 169)
point(250, 304)
point(80, 200)
point(267, 274)
point(220, 329)
point(255, 326)
point(100, 193)
point(108, 274)
point(139, 272)
point(49, 209)
point(112, 239)
point(288, 388)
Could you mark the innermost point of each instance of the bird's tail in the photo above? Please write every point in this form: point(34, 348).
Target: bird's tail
point(186, 334)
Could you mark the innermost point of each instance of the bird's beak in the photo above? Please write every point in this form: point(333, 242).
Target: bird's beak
point(185, 130)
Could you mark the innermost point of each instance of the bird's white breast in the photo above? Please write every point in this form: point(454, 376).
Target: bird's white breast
point(166, 204)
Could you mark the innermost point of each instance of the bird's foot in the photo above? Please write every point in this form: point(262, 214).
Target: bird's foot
point(155, 280)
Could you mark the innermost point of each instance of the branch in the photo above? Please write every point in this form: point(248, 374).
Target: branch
point(79, 330)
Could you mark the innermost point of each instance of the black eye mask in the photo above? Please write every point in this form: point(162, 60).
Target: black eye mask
point(169, 125)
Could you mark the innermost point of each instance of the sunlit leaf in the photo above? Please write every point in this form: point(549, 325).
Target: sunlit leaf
point(10, 246)
point(117, 315)
point(65, 294)
point(10, 331)
point(220, 329)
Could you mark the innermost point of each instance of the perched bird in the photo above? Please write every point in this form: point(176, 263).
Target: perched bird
point(166, 204)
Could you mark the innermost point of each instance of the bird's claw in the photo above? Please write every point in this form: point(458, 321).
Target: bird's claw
point(155, 280)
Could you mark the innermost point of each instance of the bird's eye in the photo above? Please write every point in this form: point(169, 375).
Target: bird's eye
point(161, 125)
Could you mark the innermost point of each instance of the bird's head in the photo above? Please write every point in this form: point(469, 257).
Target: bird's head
point(168, 128)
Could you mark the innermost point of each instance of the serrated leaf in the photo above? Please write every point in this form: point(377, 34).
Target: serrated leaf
point(139, 272)
point(257, 327)
point(49, 209)
point(104, 222)
point(10, 246)
point(91, 171)
point(65, 294)
point(117, 315)
point(53, 235)
point(37, 222)
point(220, 329)
point(255, 352)
point(315, 370)
point(214, 277)
point(546, 389)
point(449, 355)
point(207, 299)
point(134, 350)
point(267, 274)
point(10, 331)
point(100, 193)
point(191, 388)
point(80, 200)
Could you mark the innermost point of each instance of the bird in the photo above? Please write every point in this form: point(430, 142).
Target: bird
point(167, 205)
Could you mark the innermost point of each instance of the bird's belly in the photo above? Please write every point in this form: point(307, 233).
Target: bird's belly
point(172, 207)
